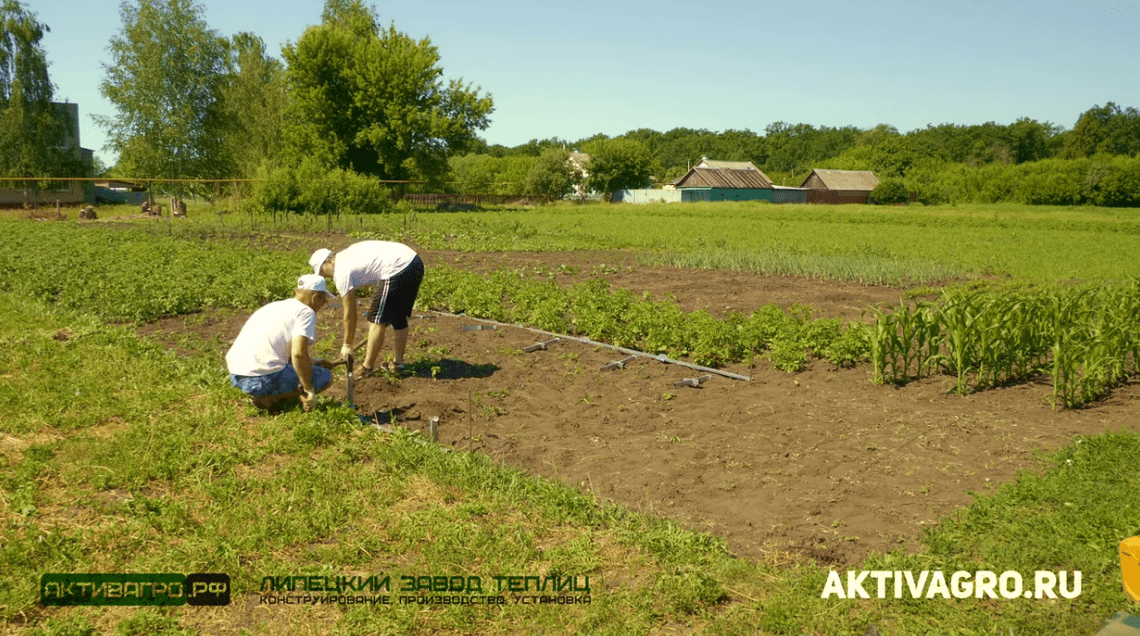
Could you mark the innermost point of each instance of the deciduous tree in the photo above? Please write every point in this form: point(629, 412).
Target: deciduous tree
point(253, 106)
point(617, 164)
point(372, 99)
point(33, 133)
point(165, 78)
point(1105, 129)
point(552, 174)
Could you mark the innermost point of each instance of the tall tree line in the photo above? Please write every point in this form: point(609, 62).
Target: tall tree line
point(788, 152)
point(355, 96)
point(351, 96)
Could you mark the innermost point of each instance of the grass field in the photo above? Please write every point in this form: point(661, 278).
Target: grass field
point(123, 456)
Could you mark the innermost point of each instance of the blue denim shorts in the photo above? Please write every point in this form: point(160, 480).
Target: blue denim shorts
point(283, 381)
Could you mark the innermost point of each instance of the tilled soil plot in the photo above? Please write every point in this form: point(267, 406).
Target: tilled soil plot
point(821, 463)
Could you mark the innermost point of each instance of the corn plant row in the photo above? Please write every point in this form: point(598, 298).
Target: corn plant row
point(621, 317)
point(1084, 339)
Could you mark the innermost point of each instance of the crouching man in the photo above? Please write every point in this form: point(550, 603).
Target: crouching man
point(270, 360)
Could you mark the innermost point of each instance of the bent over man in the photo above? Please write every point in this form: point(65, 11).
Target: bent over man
point(270, 359)
point(396, 271)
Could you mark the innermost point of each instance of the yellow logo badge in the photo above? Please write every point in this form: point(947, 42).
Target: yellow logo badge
point(1130, 566)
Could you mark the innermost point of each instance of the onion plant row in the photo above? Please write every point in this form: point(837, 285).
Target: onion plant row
point(1084, 340)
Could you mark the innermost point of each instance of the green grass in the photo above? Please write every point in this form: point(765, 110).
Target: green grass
point(120, 456)
point(151, 486)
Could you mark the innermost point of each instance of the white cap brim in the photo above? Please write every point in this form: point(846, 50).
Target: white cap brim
point(318, 258)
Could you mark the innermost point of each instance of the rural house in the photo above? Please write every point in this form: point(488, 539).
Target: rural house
point(724, 181)
point(839, 186)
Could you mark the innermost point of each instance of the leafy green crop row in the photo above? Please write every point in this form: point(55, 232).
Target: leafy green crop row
point(1084, 339)
point(137, 275)
point(594, 310)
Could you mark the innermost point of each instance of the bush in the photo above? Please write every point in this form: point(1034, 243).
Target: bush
point(312, 189)
point(1114, 182)
point(890, 191)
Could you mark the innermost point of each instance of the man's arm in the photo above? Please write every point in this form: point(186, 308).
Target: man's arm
point(349, 301)
point(303, 364)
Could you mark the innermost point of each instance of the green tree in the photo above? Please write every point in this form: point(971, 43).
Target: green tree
point(1106, 129)
point(800, 147)
point(890, 191)
point(1029, 140)
point(552, 174)
point(165, 78)
point(486, 174)
point(372, 99)
point(33, 132)
point(253, 106)
point(472, 173)
point(617, 164)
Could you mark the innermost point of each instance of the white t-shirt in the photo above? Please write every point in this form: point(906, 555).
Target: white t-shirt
point(265, 344)
point(369, 262)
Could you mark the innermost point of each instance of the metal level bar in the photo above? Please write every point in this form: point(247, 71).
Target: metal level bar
point(587, 341)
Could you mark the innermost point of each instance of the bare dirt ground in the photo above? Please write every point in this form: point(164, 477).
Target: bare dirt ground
point(820, 464)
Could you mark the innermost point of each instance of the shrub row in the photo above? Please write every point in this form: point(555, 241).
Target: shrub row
point(1104, 180)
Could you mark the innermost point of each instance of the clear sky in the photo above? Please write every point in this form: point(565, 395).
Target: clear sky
point(574, 69)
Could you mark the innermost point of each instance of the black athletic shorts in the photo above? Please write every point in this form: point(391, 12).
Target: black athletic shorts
point(393, 299)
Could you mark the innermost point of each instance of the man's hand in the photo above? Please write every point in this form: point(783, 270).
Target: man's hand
point(308, 398)
point(345, 351)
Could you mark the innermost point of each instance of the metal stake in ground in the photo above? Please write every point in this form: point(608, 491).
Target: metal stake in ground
point(619, 364)
point(541, 345)
point(697, 381)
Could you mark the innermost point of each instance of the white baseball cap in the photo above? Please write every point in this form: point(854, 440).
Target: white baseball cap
point(318, 258)
point(314, 282)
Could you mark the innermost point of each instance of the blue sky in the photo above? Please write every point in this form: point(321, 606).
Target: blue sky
point(574, 69)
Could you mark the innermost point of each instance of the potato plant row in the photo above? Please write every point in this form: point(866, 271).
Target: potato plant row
point(133, 275)
point(618, 316)
point(137, 276)
point(1085, 340)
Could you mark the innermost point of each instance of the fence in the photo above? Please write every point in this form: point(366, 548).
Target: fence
point(473, 199)
point(647, 196)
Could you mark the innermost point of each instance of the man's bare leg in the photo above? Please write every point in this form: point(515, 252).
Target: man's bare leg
point(375, 344)
point(400, 341)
